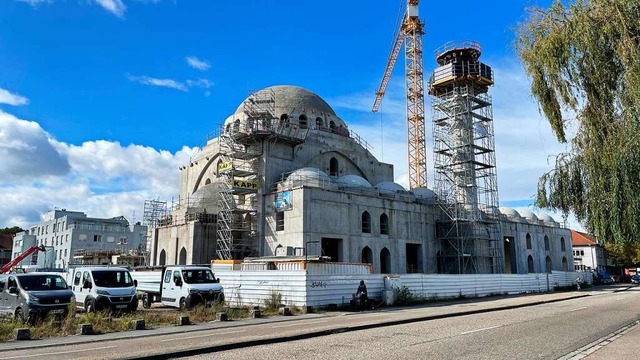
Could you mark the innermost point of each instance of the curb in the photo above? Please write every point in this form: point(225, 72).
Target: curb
point(598, 344)
point(281, 339)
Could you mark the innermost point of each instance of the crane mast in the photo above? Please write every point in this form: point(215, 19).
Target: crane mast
point(410, 34)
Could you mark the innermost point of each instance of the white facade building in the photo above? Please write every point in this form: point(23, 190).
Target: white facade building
point(588, 254)
point(71, 237)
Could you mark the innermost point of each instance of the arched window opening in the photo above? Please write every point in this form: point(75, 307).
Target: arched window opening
point(302, 121)
point(236, 125)
point(384, 224)
point(565, 266)
point(207, 182)
point(529, 242)
point(366, 256)
point(284, 118)
point(183, 257)
point(563, 246)
point(385, 261)
point(228, 128)
point(530, 267)
point(163, 258)
point(250, 123)
point(332, 124)
point(318, 121)
point(333, 167)
point(547, 247)
point(548, 264)
point(366, 222)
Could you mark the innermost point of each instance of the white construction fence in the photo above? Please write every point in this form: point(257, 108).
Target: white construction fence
point(310, 288)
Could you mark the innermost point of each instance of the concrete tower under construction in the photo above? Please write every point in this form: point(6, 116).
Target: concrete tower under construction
point(464, 162)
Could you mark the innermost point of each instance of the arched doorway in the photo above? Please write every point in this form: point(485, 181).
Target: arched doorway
point(163, 258)
point(548, 264)
point(366, 255)
point(183, 257)
point(530, 266)
point(333, 167)
point(385, 261)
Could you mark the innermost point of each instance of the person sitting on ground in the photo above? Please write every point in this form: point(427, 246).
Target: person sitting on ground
point(361, 293)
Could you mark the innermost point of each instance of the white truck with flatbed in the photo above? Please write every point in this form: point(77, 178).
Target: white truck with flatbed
point(179, 286)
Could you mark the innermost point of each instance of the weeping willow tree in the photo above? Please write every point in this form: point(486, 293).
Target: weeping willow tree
point(584, 63)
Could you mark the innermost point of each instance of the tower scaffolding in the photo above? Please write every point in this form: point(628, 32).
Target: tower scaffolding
point(464, 160)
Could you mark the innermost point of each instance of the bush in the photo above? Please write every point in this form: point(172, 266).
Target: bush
point(273, 302)
point(402, 296)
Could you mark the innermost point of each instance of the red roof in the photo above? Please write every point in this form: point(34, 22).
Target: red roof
point(582, 239)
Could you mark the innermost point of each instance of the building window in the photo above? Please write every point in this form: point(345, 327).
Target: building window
point(333, 167)
point(548, 264)
point(366, 222)
point(284, 118)
point(318, 121)
point(332, 124)
point(581, 252)
point(385, 261)
point(530, 267)
point(546, 243)
point(565, 266)
point(302, 121)
point(236, 125)
point(97, 238)
point(280, 221)
point(366, 256)
point(65, 253)
point(384, 224)
point(529, 242)
point(563, 247)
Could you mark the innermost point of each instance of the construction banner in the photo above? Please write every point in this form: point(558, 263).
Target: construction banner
point(225, 166)
point(245, 184)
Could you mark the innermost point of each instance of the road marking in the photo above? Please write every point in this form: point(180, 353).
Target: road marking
point(201, 336)
point(582, 308)
point(58, 353)
point(477, 330)
point(299, 323)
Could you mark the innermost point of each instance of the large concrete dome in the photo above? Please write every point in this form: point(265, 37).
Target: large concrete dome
point(510, 213)
point(294, 101)
point(528, 215)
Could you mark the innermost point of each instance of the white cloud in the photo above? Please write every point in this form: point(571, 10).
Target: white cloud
point(100, 178)
point(7, 97)
point(115, 7)
point(36, 3)
point(147, 80)
point(196, 63)
point(170, 83)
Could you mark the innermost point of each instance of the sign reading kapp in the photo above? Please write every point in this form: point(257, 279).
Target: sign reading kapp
point(245, 184)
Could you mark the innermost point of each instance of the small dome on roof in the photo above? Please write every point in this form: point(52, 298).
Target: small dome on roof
point(389, 187)
point(510, 212)
point(424, 193)
point(206, 197)
point(353, 181)
point(547, 219)
point(309, 176)
point(528, 215)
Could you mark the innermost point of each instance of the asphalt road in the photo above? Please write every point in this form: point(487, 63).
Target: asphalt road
point(546, 331)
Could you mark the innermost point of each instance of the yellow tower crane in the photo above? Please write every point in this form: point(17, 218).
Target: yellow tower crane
point(410, 34)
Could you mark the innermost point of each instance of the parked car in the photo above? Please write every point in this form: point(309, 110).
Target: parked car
point(30, 297)
point(606, 279)
point(635, 279)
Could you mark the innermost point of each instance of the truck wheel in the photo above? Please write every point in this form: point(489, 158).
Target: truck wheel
point(146, 303)
point(183, 304)
point(90, 306)
point(19, 315)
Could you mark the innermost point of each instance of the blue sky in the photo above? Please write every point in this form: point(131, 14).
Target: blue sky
point(107, 84)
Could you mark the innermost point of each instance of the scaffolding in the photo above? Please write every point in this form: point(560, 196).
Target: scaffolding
point(464, 159)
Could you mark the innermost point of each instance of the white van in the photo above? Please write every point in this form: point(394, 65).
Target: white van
point(103, 288)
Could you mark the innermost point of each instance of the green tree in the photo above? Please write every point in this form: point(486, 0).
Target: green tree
point(10, 230)
point(625, 254)
point(584, 63)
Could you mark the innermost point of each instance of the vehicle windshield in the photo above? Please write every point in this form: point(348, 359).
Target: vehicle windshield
point(112, 279)
point(42, 282)
point(198, 276)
